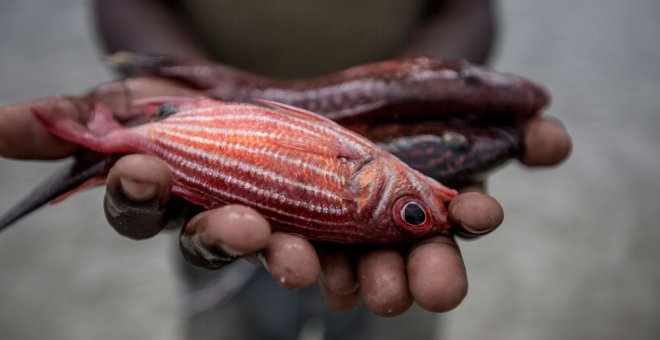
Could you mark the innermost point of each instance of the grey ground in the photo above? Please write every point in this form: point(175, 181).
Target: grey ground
point(575, 259)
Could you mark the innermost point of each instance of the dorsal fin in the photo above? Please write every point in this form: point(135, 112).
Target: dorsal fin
point(295, 111)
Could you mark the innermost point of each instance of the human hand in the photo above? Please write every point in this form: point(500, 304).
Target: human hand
point(23, 137)
point(389, 279)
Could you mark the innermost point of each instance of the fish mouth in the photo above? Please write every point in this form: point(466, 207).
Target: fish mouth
point(439, 210)
point(434, 195)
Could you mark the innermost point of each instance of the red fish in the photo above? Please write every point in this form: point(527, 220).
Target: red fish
point(306, 174)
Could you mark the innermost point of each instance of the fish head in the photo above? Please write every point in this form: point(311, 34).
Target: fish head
point(398, 203)
point(473, 88)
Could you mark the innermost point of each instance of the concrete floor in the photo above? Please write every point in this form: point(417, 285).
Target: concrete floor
point(575, 259)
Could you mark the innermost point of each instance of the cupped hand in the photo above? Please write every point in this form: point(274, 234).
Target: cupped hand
point(388, 279)
point(430, 273)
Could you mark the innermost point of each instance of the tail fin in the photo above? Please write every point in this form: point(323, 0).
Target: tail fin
point(89, 167)
point(97, 135)
point(102, 134)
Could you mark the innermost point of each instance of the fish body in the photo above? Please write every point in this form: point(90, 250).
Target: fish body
point(455, 153)
point(407, 89)
point(304, 173)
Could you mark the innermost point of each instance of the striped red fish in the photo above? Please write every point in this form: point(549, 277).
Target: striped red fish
point(306, 174)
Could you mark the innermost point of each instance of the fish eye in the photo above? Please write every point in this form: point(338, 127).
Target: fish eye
point(413, 214)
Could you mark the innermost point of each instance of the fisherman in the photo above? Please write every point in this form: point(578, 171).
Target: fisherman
point(292, 39)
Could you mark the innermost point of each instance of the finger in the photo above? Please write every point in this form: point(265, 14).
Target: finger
point(22, 136)
point(436, 274)
point(545, 143)
point(138, 188)
point(383, 282)
point(475, 214)
point(339, 283)
point(340, 303)
point(216, 237)
point(291, 260)
point(337, 270)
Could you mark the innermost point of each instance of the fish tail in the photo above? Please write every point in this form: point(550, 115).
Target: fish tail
point(102, 132)
point(88, 169)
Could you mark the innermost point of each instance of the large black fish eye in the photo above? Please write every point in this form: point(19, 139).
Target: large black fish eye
point(413, 214)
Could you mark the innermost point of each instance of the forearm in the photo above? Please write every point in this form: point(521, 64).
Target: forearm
point(461, 29)
point(150, 26)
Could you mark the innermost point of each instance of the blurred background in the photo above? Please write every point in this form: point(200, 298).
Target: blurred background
point(576, 258)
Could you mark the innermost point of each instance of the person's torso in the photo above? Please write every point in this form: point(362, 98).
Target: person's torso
point(302, 38)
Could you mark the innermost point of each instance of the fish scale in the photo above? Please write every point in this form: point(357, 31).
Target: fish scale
point(278, 191)
point(262, 172)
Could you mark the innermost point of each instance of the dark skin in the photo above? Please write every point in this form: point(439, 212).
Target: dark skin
point(388, 279)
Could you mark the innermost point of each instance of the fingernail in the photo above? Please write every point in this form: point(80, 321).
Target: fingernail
point(138, 191)
point(467, 233)
point(200, 254)
point(463, 230)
